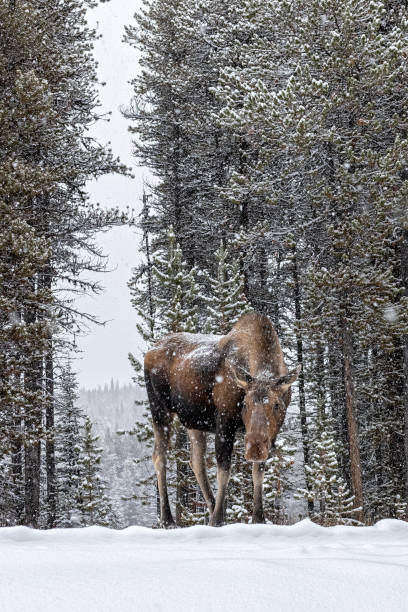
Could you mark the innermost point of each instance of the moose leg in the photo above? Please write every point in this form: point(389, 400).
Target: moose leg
point(198, 449)
point(161, 440)
point(224, 442)
point(258, 471)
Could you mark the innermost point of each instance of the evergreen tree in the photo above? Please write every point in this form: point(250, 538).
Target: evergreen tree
point(175, 310)
point(282, 124)
point(22, 255)
point(276, 481)
point(330, 124)
point(94, 506)
point(226, 301)
point(178, 293)
point(327, 489)
point(69, 424)
point(47, 104)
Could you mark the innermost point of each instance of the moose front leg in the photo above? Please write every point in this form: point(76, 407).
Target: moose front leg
point(224, 442)
point(258, 471)
point(161, 440)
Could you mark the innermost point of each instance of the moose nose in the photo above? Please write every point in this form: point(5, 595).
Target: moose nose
point(256, 447)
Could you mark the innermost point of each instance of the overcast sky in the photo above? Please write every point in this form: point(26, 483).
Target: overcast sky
point(105, 349)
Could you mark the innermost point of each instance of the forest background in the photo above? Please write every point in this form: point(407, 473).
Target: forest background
point(276, 133)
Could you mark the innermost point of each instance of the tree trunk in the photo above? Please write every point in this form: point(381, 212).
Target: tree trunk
point(320, 384)
point(32, 429)
point(32, 465)
point(354, 444)
point(50, 444)
point(17, 464)
point(337, 406)
point(302, 394)
point(145, 213)
point(276, 306)
point(404, 274)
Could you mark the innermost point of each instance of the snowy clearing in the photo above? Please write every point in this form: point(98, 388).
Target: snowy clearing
point(238, 567)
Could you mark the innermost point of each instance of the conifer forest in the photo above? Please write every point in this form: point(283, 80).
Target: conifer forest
point(275, 133)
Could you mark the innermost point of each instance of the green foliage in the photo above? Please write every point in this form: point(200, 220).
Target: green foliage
point(326, 487)
point(280, 128)
point(48, 103)
point(93, 506)
point(226, 301)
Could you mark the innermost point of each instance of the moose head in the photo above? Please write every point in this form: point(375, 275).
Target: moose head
point(264, 408)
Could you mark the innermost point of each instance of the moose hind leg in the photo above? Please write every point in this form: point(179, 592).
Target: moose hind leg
point(198, 451)
point(161, 440)
point(258, 471)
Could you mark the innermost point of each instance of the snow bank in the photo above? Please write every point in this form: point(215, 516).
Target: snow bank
point(236, 568)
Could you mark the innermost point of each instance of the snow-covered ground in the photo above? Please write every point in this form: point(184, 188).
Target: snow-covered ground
point(236, 568)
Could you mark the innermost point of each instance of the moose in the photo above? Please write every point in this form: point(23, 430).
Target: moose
point(219, 384)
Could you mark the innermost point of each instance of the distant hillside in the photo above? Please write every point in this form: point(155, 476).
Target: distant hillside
point(112, 408)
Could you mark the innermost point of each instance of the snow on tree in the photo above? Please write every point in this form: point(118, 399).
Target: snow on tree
point(327, 489)
point(276, 483)
point(69, 424)
point(175, 310)
point(47, 104)
point(94, 506)
point(176, 304)
point(327, 122)
point(226, 301)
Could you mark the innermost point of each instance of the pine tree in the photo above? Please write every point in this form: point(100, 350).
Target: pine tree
point(175, 309)
point(327, 489)
point(329, 123)
point(69, 423)
point(94, 506)
point(282, 124)
point(276, 481)
point(226, 301)
point(176, 306)
point(22, 255)
point(47, 104)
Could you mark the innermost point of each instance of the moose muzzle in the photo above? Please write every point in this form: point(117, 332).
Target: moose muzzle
point(257, 447)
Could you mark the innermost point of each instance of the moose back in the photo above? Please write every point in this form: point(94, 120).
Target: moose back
point(219, 384)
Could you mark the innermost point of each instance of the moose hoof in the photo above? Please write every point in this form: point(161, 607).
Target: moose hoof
point(167, 525)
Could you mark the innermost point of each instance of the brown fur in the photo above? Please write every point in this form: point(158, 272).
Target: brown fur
point(219, 384)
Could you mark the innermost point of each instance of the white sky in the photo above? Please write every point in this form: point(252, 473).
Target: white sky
point(105, 349)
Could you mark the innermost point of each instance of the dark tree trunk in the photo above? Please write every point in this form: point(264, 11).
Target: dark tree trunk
point(244, 219)
point(32, 451)
point(32, 426)
point(302, 394)
point(146, 230)
point(354, 444)
point(17, 465)
point(177, 200)
point(320, 383)
point(337, 405)
point(50, 444)
point(404, 274)
point(276, 305)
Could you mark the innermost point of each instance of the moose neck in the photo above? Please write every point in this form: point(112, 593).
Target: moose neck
point(256, 347)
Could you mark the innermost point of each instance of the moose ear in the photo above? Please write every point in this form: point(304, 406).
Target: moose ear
point(241, 378)
point(285, 382)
